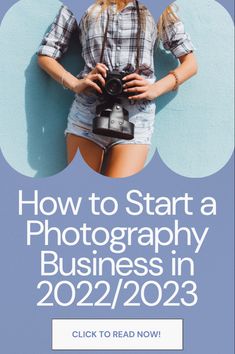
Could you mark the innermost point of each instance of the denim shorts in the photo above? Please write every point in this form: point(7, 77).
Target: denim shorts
point(83, 111)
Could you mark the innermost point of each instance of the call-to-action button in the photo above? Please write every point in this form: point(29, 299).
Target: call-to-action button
point(117, 334)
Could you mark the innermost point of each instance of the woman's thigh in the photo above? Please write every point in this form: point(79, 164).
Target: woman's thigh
point(124, 160)
point(92, 153)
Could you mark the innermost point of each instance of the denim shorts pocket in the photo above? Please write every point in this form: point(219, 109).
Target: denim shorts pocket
point(146, 106)
point(85, 106)
point(143, 123)
point(86, 99)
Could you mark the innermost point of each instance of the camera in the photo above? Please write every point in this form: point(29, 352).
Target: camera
point(114, 84)
point(112, 119)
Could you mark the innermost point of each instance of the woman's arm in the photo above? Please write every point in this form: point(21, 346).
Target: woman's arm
point(58, 73)
point(55, 44)
point(138, 84)
point(174, 39)
point(184, 71)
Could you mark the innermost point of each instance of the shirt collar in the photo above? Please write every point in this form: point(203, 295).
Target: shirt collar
point(129, 4)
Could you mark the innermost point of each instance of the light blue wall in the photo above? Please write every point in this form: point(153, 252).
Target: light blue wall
point(33, 107)
point(194, 132)
point(194, 129)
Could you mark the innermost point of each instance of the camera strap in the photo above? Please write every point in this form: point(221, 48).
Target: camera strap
point(138, 37)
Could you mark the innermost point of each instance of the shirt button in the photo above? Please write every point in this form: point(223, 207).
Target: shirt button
point(118, 48)
point(117, 64)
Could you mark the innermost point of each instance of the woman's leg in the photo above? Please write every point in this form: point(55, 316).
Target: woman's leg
point(92, 153)
point(124, 160)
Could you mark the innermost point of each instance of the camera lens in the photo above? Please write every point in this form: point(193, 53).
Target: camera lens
point(114, 87)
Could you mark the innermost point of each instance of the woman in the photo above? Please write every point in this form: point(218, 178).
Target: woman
point(116, 35)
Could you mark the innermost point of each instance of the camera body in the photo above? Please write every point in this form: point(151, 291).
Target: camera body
point(111, 118)
point(114, 84)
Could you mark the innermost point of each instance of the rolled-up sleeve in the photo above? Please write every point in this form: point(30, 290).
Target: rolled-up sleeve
point(56, 41)
point(177, 40)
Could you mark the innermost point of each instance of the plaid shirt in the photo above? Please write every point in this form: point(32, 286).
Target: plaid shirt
point(120, 51)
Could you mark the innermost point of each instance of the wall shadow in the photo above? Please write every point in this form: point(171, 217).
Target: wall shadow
point(47, 105)
point(164, 62)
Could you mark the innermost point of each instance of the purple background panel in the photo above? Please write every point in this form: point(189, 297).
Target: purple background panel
point(20, 264)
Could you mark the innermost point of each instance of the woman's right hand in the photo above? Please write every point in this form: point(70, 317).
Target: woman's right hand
point(91, 80)
point(58, 73)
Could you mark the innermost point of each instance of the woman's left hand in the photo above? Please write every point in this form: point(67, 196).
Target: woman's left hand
point(141, 88)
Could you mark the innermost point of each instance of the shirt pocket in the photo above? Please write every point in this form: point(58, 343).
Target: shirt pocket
point(128, 23)
point(93, 33)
